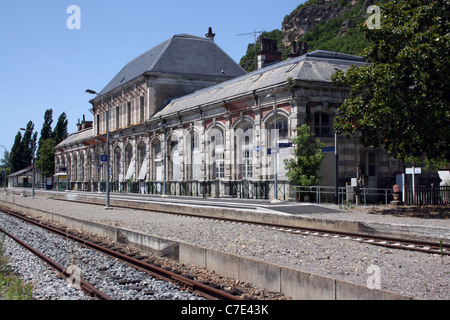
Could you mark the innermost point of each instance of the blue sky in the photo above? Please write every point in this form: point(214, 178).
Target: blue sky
point(44, 64)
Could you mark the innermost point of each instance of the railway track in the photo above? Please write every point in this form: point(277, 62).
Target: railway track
point(199, 288)
point(431, 247)
point(390, 242)
point(87, 287)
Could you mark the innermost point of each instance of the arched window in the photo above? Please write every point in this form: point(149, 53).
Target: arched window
point(129, 162)
point(174, 159)
point(81, 172)
point(243, 149)
point(217, 154)
point(247, 152)
point(117, 176)
point(75, 168)
point(194, 156)
point(141, 160)
point(157, 160)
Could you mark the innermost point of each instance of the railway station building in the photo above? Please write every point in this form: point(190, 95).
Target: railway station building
point(185, 119)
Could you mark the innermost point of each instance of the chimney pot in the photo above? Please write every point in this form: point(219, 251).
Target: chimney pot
point(210, 34)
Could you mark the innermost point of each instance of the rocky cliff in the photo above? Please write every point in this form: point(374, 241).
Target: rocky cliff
point(322, 24)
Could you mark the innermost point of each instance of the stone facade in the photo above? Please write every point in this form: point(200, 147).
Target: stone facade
point(203, 134)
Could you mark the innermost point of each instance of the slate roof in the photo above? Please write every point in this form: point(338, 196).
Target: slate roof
point(77, 136)
point(317, 66)
point(181, 54)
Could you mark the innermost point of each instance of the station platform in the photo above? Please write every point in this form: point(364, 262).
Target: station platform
point(350, 219)
point(222, 202)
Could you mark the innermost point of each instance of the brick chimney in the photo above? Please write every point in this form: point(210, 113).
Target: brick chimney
point(269, 53)
point(298, 49)
point(84, 124)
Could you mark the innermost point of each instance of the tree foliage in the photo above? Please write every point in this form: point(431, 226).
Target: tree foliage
point(46, 131)
point(21, 154)
point(400, 100)
point(302, 171)
point(61, 132)
point(49, 139)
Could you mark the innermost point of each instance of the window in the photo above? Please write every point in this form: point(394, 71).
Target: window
point(194, 142)
point(174, 159)
point(247, 162)
point(218, 155)
point(195, 157)
point(116, 169)
point(117, 117)
point(141, 109)
point(141, 154)
point(97, 120)
point(247, 166)
point(219, 167)
point(322, 124)
point(283, 129)
point(128, 113)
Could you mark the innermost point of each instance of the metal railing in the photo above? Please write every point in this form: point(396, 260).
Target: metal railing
point(326, 194)
point(430, 195)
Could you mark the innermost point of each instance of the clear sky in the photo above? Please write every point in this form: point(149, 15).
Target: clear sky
point(44, 64)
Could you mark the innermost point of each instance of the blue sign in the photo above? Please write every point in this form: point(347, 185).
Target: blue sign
point(285, 145)
point(103, 158)
point(328, 149)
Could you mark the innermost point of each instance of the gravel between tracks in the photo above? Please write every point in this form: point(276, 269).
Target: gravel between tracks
point(421, 275)
point(114, 278)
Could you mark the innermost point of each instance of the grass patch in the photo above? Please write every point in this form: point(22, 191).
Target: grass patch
point(11, 286)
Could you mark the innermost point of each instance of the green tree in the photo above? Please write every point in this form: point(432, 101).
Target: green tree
point(302, 170)
point(61, 132)
point(46, 131)
point(46, 157)
point(21, 154)
point(15, 156)
point(400, 100)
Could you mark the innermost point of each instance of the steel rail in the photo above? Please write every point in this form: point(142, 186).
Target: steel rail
point(390, 242)
point(167, 275)
point(85, 286)
point(386, 241)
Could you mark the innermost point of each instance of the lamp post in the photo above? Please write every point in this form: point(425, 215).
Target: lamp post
point(275, 147)
point(33, 151)
point(4, 181)
point(107, 143)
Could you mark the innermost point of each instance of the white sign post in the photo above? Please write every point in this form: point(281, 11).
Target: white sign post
point(413, 171)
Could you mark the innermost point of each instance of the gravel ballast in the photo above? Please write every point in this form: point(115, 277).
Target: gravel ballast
point(112, 277)
point(420, 275)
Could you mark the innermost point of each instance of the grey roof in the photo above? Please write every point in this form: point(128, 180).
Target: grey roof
point(181, 54)
point(317, 66)
point(19, 173)
point(76, 137)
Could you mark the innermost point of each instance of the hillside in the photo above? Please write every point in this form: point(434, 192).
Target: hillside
point(323, 24)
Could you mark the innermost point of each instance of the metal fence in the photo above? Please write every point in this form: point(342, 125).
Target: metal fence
point(327, 194)
point(422, 195)
point(217, 188)
point(428, 195)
